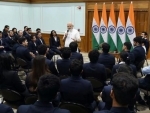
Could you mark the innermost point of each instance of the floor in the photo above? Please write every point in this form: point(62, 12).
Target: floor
point(143, 109)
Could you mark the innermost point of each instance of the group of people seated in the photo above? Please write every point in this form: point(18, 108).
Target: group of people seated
point(67, 81)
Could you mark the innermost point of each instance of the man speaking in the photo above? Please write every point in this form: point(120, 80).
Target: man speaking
point(71, 35)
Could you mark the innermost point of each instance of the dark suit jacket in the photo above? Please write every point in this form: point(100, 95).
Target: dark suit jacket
point(107, 60)
point(39, 42)
point(146, 45)
point(14, 49)
point(4, 34)
point(10, 43)
point(51, 66)
point(24, 33)
point(137, 55)
point(32, 47)
point(95, 70)
point(54, 44)
point(75, 55)
point(75, 89)
point(3, 44)
point(63, 66)
point(28, 37)
point(5, 109)
point(39, 107)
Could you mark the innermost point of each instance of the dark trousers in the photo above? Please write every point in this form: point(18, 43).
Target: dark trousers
point(57, 51)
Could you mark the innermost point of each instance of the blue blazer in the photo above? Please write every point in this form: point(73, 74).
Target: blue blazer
point(5, 109)
point(54, 44)
point(76, 89)
point(63, 66)
point(107, 60)
point(39, 42)
point(32, 47)
point(9, 43)
point(76, 55)
point(39, 107)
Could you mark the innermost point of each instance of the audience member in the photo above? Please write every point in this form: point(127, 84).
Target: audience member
point(5, 31)
point(25, 30)
point(38, 69)
point(33, 45)
point(94, 69)
point(127, 47)
point(146, 43)
point(43, 50)
point(2, 44)
point(40, 40)
point(47, 88)
point(20, 34)
point(15, 32)
point(28, 34)
point(105, 58)
point(5, 109)
point(37, 30)
point(64, 63)
point(74, 54)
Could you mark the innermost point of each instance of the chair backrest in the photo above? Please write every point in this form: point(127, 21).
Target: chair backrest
point(74, 107)
point(140, 65)
point(95, 83)
point(31, 99)
point(21, 62)
point(10, 95)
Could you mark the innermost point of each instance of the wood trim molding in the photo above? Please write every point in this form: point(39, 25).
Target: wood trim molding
point(19, 1)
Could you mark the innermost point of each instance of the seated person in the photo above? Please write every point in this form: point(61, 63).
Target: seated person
point(43, 50)
point(38, 69)
point(28, 34)
point(20, 34)
point(125, 60)
point(9, 79)
point(5, 31)
point(64, 63)
point(137, 54)
point(5, 109)
point(14, 48)
point(127, 47)
point(75, 89)
point(39, 39)
point(54, 42)
point(2, 44)
point(94, 69)
point(74, 54)
point(37, 30)
point(47, 88)
point(105, 58)
point(23, 52)
point(25, 30)
point(32, 46)
point(122, 93)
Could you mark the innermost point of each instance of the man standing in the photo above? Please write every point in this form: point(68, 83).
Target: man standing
point(71, 35)
point(146, 43)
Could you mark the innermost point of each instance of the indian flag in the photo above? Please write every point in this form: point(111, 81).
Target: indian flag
point(121, 34)
point(112, 36)
point(130, 25)
point(95, 29)
point(103, 26)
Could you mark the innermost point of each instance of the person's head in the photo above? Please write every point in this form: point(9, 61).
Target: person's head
point(47, 88)
point(20, 33)
point(124, 56)
point(38, 30)
point(76, 67)
point(23, 41)
point(6, 28)
point(73, 46)
point(69, 26)
point(144, 34)
point(14, 30)
point(33, 38)
point(93, 56)
point(29, 30)
point(66, 52)
point(39, 35)
point(124, 89)
point(38, 69)
point(25, 28)
point(0, 34)
point(53, 33)
point(105, 47)
point(127, 46)
point(10, 33)
point(143, 41)
point(42, 49)
point(137, 41)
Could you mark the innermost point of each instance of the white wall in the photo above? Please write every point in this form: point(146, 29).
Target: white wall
point(44, 16)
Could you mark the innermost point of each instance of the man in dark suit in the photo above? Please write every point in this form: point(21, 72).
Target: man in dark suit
point(94, 69)
point(138, 53)
point(43, 50)
point(28, 34)
point(33, 45)
point(47, 89)
point(75, 88)
point(64, 63)
point(25, 30)
point(122, 93)
point(74, 54)
point(5, 109)
point(37, 30)
point(23, 52)
point(146, 43)
point(40, 40)
point(105, 58)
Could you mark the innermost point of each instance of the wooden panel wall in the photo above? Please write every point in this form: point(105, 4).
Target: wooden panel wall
point(20, 1)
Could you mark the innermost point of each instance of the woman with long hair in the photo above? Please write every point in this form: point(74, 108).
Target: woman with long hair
point(39, 68)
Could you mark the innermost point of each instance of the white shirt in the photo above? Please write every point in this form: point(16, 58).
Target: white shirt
point(144, 49)
point(55, 38)
point(72, 35)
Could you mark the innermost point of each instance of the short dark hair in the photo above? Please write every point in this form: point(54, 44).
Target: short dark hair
point(125, 87)
point(138, 40)
point(128, 45)
point(42, 49)
point(66, 52)
point(105, 47)
point(76, 67)
point(21, 40)
point(25, 27)
point(6, 26)
point(38, 29)
point(93, 56)
point(47, 87)
point(125, 57)
point(73, 46)
point(28, 29)
point(145, 33)
point(32, 36)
